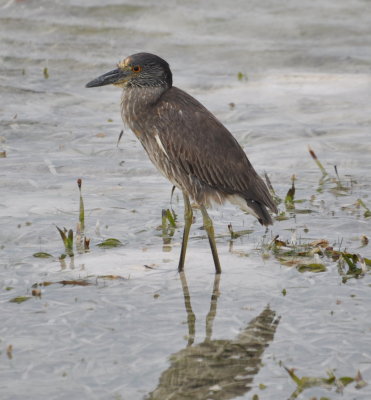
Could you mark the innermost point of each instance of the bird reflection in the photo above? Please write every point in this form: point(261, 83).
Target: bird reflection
point(215, 369)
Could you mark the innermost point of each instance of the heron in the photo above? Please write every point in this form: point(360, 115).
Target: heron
point(187, 144)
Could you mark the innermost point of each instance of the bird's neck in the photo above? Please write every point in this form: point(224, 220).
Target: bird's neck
point(136, 103)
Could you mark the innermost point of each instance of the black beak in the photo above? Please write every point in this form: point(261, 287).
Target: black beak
point(108, 78)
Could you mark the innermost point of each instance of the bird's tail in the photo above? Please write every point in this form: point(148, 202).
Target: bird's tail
point(260, 211)
point(253, 207)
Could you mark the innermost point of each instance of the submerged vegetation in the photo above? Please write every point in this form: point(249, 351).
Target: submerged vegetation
point(69, 239)
point(78, 241)
point(330, 382)
point(314, 255)
point(168, 226)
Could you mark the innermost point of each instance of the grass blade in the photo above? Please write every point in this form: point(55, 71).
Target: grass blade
point(317, 161)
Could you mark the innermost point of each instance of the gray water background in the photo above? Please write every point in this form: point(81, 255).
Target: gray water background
point(308, 82)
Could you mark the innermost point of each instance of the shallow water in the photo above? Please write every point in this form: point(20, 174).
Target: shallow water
point(308, 83)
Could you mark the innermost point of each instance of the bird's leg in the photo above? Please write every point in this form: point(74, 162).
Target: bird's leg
point(212, 313)
point(191, 317)
point(188, 219)
point(208, 225)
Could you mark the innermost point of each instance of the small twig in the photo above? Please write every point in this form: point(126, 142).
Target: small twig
point(120, 136)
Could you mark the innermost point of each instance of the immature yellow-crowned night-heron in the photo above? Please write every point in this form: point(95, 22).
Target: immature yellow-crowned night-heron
point(187, 144)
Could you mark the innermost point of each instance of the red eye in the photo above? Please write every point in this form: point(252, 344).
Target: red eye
point(136, 68)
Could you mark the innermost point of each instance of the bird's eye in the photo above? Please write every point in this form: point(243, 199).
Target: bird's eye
point(136, 68)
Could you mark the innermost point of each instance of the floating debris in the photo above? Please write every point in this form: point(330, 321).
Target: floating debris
point(364, 240)
point(46, 283)
point(9, 351)
point(36, 292)
point(330, 382)
point(360, 382)
point(262, 386)
point(111, 277)
point(19, 299)
point(78, 282)
point(111, 242)
point(42, 254)
point(313, 267)
point(86, 244)
point(241, 76)
point(151, 266)
point(73, 282)
point(305, 257)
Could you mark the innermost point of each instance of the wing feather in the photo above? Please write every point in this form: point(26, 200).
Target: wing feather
point(193, 138)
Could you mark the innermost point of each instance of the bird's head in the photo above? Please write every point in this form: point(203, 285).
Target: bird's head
point(137, 70)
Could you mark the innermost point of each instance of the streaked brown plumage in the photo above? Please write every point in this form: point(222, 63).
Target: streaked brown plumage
point(187, 143)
